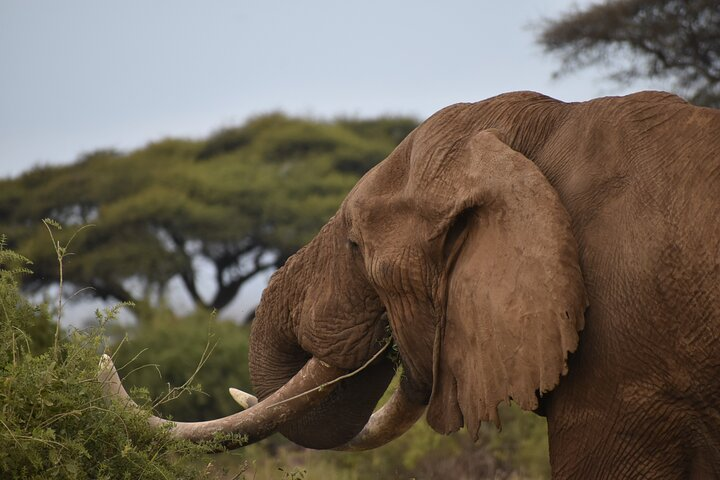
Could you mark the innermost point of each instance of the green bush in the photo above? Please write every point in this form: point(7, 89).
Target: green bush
point(55, 420)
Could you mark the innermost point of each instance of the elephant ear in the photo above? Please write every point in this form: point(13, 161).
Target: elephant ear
point(515, 296)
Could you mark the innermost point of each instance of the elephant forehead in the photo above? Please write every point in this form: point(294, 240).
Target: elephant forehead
point(390, 175)
point(386, 216)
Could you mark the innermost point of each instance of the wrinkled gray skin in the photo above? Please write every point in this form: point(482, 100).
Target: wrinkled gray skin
point(485, 247)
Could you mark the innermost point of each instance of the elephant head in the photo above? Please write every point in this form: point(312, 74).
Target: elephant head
point(466, 247)
point(459, 244)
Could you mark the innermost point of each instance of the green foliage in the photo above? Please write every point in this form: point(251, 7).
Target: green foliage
point(23, 327)
point(522, 445)
point(166, 351)
point(56, 422)
point(242, 201)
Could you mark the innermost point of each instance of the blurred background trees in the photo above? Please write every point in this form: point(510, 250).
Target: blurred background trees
point(674, 40)
point(222, 209)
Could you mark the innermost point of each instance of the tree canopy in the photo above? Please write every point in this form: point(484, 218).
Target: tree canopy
point(670, 39)
point(234, 204)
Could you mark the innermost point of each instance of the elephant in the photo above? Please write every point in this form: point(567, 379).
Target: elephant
point(562, 256)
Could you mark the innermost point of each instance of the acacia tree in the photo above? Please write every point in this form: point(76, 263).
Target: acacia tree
point(235, 204)
point(667, 39)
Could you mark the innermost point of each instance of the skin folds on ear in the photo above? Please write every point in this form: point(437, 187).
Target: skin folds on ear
point(514, 290)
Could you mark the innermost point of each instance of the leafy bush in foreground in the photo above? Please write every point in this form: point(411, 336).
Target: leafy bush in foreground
point(54, 420)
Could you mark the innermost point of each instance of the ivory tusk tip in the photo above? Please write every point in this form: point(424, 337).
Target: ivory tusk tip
point(244, 399)
point(105, 362)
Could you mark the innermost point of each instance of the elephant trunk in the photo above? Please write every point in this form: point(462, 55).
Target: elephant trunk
point(342, 420)
point(276, 356)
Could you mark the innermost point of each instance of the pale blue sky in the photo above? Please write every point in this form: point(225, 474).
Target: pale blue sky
point(81, 75)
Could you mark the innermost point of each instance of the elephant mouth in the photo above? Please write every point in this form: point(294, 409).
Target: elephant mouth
point(395, 416)
point(349, 408)
point(398, 414)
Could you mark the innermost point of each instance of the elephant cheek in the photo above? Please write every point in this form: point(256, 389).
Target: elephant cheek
point(413, 327)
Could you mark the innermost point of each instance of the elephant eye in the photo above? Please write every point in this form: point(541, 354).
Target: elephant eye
point(353, 244)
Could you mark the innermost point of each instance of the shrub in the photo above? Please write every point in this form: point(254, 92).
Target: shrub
point(55, 421)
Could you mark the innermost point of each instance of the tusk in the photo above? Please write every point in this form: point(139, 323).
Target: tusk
point(257, 422)
point(244, 399)
point(392, 420)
